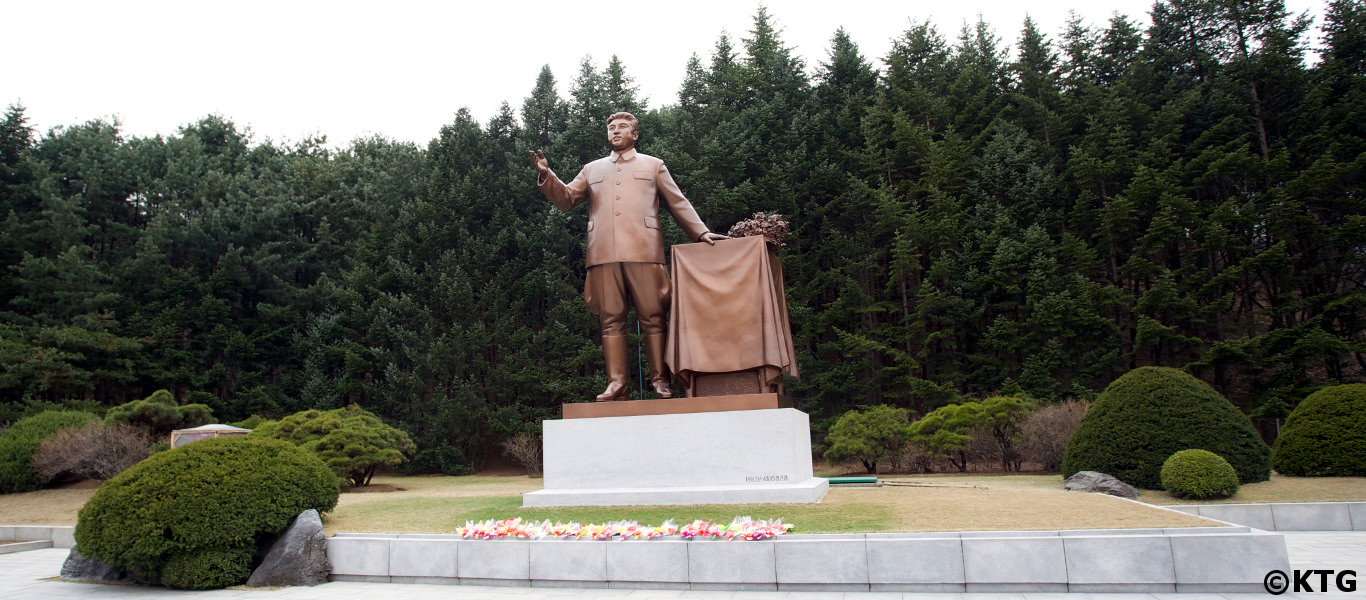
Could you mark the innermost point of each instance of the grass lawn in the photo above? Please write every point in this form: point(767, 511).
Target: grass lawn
point(905, 503)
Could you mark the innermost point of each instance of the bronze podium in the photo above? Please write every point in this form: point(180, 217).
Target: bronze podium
point(729, 341)
point(728, 328)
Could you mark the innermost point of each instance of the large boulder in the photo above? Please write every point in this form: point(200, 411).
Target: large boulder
point(80, 568)
point(83, 568)
point(1091, 481)
point(299, 557)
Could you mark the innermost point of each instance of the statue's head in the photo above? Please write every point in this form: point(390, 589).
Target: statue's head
point(622, 131)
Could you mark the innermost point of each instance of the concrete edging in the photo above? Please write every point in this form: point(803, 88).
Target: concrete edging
point(1285, 516)
point(1202, 559)
point(61, 536)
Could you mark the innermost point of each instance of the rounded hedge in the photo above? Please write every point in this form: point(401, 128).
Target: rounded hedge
point(20, 443)
point(1150, 413)
point(193, 516)
point(1198, 474)
point(1325, 435)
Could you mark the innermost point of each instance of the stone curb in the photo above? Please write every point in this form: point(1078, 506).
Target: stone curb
point(61, 536)
point(1288, 516)
point(1202, 559)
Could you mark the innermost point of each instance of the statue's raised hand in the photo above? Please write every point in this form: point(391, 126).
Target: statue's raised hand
point(538, 161)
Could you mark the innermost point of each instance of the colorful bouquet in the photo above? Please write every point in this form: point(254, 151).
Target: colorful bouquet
point(742, 528)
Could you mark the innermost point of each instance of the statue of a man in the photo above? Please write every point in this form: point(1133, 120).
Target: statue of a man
point(625, 245)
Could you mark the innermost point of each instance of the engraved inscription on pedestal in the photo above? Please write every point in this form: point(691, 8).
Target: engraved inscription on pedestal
point(728, 384)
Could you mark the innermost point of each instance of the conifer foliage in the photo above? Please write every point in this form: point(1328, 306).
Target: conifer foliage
point(975, 218)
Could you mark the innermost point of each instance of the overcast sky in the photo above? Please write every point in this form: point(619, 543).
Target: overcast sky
point(401, 69)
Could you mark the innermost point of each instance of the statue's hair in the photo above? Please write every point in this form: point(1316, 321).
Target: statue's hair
point(625, 116)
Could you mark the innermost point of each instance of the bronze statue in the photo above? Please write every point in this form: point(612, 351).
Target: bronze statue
point(625, 245)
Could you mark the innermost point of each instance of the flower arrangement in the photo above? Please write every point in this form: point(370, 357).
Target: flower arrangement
point(773, 227)
point(741, 528)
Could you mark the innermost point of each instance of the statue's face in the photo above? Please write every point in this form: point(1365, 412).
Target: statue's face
point(621, 135)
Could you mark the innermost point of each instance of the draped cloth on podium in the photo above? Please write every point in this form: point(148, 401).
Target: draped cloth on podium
point(729, 311)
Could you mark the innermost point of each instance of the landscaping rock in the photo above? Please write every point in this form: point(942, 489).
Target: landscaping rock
point(80, 568)
point(299, 557)
point(1091, 481)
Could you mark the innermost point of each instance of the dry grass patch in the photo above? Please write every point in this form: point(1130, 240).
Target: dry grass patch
point(43, 507)
point(1281, 488)
point(930, 503)
point(905, 503)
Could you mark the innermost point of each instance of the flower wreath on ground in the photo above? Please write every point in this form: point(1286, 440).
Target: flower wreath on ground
point(742, 528)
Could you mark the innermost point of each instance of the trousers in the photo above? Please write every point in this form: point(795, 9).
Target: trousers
point(612, 289)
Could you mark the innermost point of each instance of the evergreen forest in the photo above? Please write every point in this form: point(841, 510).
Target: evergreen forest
point(969, 218)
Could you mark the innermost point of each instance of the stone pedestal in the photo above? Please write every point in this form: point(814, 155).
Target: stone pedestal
point(729, 457)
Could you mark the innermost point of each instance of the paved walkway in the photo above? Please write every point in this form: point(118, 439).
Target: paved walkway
point(27, 576)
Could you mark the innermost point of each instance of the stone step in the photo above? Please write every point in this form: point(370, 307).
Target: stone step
point(8, 547)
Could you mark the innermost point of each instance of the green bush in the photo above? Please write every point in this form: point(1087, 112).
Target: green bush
point(1150, 413)
point(1198, 474)
point(20, 444)
point(1325, 435)
point(352, 441)
point(868, 435)
point(193, 516)
point(159, 414)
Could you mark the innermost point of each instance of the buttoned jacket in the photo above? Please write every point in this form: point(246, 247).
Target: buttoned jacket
point(623, 191)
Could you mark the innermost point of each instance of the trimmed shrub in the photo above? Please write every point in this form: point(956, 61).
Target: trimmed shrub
point(1150, 413)
point(193, 516)
point(90, 452)
point(21, 441)
point(352, 441)
point(1325, 435)
point(159, 414)
point(868, 435)
point(1198, 474)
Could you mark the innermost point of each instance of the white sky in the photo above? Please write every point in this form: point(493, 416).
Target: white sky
point(401, 69)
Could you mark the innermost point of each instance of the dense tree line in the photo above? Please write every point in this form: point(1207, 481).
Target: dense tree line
point(972, 219)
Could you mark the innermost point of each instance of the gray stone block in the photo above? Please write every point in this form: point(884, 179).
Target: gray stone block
point(568, 560)
point(29, 533)
point(486, 582)
point(7, 532)
point(823, 562)
point(1251, 515)
point(734, 587)
point(563, 584)
point(495, 560)
point(63, 537)
point(1224, 588)
point(1014, 561)
point(1357, 512)
point(426, 580)
point(1119, 560)
point(653, 561)
point(813, 590)
point(919, 588)
point(424, 558)
point(1004, 534)
point(1098, 532)
point(1227, 559)
point(732, 562)
point(913, 535)
point(368, 557)
point(916, 561)
point(648, 585)
point(1023, 588)
point(1122, 588)
point(1221, 530)
point(1312, 516)
point(359, 578)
